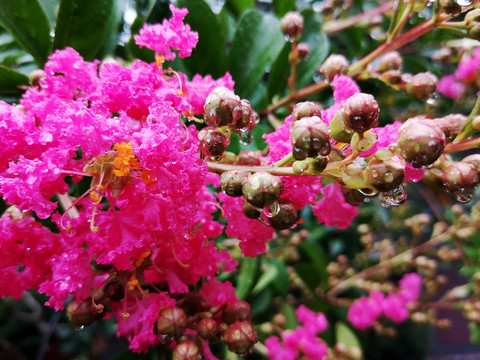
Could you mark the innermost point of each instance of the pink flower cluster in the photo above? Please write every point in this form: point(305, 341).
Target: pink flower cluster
point(303, 342)
point(454, 85)
point(366, 310)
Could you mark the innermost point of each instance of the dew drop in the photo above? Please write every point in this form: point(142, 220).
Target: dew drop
point(246, 137)
point(464, 197)
point(367, 192)
point(289, 38)
point(464, 2)
point(275, 208)
point(317, 77)
point(394, 197)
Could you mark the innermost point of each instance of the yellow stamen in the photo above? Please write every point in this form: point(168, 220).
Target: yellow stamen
point(142, 257)
point(132, 283)
point(125, 160)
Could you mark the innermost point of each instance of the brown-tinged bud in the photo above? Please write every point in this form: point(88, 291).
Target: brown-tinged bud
point(187, 350)
point(172, 322)
point(310, 138)
point(306, 109)
point(194, 303)
point(285, 217)
point(84, 312)
point(363, 142)
point(232, 182)
point(303, 50)
point(472, 22)
point(236, 311)
point(390, 61)
point(222, 108)
point(474, 160)
point(228, 157)
point(420, 141)
point(444, 55)
point(384, 175)
point(114, 290)
point(240, 337)
point(460, 176)
point(262, 189)
point(451, 125)
point(248, 119)
point(250, 211)
point(392, 77)
point(292, 25)
point(213, 143)
point(353, 196)
point(36, 77)
point(360, 112)
point(208, 329)
point(422, 85)
point(334, 65)
point(248, 157)
point(450, 7)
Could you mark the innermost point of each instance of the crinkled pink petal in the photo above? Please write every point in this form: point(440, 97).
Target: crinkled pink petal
point(450, 87)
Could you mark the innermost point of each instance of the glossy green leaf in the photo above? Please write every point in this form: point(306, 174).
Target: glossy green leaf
point(277, 78)
point(281, 7)
point(10, 80)
point(83, 25)
point(280, 283)
point(308, 273)
point(318, 44)
point(26, 21)
point(246, 277)
point(290, 318)
point(208, 57)
point(345, 335)
point(50, 7)
point(255, 46)
point(275, 274)
point(111, 39)
point(239, 6)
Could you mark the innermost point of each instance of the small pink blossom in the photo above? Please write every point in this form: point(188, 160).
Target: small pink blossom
point(450, 87)
point(366, 310)
point(394, 308)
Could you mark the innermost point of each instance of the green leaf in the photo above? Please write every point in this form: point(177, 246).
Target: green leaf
point(10, 80)
point(239, 6)
point(208, 57)
point(26, 21)
point(308, 273)
point(318, 44)
point(277, 79)
point(290, 318)
point(345, 335)
point(111, 38)
point(246, 277)
point(83, 25)
point(281, 281)
point(281, 7)
point(50, 7)
point(255, 46)
point(275, 274)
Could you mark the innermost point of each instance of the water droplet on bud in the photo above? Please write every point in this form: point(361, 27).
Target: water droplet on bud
point(394, 197)
point(464, 2)
point(368, 192)
point(464, 197)
point(246, 137)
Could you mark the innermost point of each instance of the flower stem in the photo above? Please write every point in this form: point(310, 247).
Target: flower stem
point(467, 129)
point(287, 160)
point(462, 145)
point(401, 23)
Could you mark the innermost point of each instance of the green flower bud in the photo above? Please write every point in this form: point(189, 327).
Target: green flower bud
point(422, 85)
point(309, 138)
point(236, 311)
point(390, 61)
point(334, 65)
point(352, 174)
point(306, 109)
point(363, 142)
point(249, 158)
point(240, 337)
point(384, 175)
point(84, 312)
point(222, 108)
point(285, 217)
point(172, 322)
point(187, 350)
point(262, 189)
point(420, 141)
point(232, 182)
point(460, 176)
point(419, 5)
point(292, 25)
point(472, 21)
point(450, 7)
point(360, 112)
point(213, 143)
point(338, 131)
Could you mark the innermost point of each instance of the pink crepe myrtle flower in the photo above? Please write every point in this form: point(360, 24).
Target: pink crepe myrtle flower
point(172, 34)
point(450, 87)
point(366, 310)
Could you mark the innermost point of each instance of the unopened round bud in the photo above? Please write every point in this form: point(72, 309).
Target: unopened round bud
point(236, 311)
point(250, 211)
point(450, 7)
point(262, 189)
point(419, 5)
point(222, 108)
point(213, 143)
point(360, 112)
point(392, 77)
point(444, 55)
point(353, 196)
point(286, 216)
point(248, 157)
point(292, 24)
point(420, 141)
point(248, 119)
point(472, 21)
point(187, 350)
point(232, 182)
point(172, 322)
point(310, 138)
point(240, 337)
point(384, 175)
point(84, 312)
point(306, 109)
point(334, 65)
point(36, 77)
point(208, 329)
point(460, 176)
point(303, 50)
point(390, 61)
point(363, 142)
point(422, 85)
point(474, 160)
point(338, 131)
point(451, 125)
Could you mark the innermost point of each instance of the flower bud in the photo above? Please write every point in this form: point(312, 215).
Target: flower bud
point(450, 7)
point(352, 174)
point(172, 322)
point(292, 24)
point(303, 51)
point(250, 211)
point(208, 329)
point(285, 218)
point(338, 130)
point(474, 160)
point(213, 143)
point(451, 125)
point(36, 77)
point(240, 337)
point(306, 109)
point(363, 142)
point(472, 21)
point(360, 112)
point(420, 141)
point(460, 176)
point(187, 350)
point(334, 65)
point(444, 55)
point(232, 182)
point(422, 85)
point(248, 119)
point(262, 189)
point(248, 157)
point(419, 5)
point(310, 138)
point(222, 108)
point(84, 312)
point(236, 311)
point(392, 77)
point(353, 196)
point(390, 61)
point(384, 175)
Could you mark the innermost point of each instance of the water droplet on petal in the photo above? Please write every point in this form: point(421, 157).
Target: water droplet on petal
point(394, 197)
point(246, 137)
